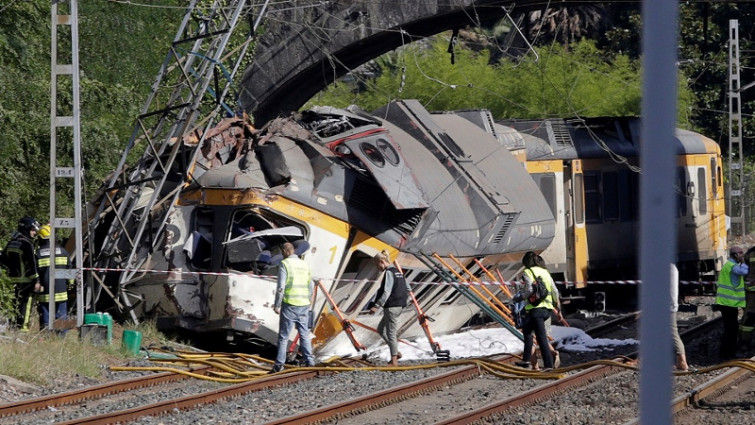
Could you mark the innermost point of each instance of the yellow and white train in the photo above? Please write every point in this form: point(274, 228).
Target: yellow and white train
point(589, 172)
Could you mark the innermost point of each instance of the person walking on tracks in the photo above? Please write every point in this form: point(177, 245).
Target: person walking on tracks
point(730, 297)
point(537, 313)
point(681, 356)
point(45, 257)
point(540, 262)
point(392, 296)
point(293, 298)
point(21, 266)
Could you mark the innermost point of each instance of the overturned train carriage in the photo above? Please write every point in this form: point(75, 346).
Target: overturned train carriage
point(342, 185)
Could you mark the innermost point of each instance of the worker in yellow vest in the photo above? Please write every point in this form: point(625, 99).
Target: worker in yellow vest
point(293, 298)
point(537, 312)
point(47, 252)
point(730, 297)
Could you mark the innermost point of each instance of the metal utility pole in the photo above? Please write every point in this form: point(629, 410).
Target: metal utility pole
point(65, 126)
point(735, 204)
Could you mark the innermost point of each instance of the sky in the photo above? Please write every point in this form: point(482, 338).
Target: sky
point(485, 342)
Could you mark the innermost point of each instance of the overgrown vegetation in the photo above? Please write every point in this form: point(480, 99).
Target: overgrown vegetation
point(46, 359)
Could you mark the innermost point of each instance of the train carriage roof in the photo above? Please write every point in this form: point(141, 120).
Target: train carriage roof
point(601, 137)
point(421, 182)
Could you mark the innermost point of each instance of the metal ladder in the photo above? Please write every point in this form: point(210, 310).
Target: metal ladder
point(188, 95)
point(446, 273)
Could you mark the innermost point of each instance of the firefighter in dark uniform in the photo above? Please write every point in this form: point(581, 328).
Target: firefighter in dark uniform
point(62, 261)
point(21, 266)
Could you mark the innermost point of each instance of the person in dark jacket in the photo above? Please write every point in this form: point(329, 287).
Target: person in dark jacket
point(392, 297)
point(62, 261)
point(21, 267)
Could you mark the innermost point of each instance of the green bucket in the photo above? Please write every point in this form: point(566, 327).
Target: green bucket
point(107, 320)
point(132, 342)
point(93, 318)
point(104, 319)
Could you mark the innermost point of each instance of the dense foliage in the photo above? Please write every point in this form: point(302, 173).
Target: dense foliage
point(550, 82)
point(121, 47)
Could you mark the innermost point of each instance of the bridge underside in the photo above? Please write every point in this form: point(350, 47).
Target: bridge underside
point(304, 49)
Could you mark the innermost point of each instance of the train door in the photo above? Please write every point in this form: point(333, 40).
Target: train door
point(576, 245)
point(354, 287)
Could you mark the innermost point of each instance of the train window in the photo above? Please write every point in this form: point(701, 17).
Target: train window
point(254, 242)
point(424, 276)
point(423, 291)
point(681, 191)
point(451, 294)
point(713, 177)
point(610, 196)
point(364, 271)
point(592, 197)
point(373, 154)
point(388, 151)
point(579, 210)
point(198, 246)
point(547, 184)
point(625, 195)
point(720, 177)
point(702, 191)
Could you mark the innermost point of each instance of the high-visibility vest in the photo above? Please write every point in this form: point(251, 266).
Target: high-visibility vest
point(298, 276)
point(729, 293)
point(549, 300)
point(43, 266)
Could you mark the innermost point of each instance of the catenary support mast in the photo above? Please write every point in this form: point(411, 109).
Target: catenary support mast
point(735, 204)
point(65, 120)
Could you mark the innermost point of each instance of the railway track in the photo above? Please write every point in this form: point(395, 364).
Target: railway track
point(81, 403)
point(460, 392)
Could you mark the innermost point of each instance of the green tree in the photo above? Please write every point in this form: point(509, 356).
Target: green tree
point(121, 47)
point(580, 81)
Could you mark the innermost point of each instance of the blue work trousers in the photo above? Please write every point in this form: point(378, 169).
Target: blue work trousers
point(61, 312)
point(298, 315)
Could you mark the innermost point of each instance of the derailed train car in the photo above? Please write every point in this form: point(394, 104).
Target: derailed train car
point(588, 170)
point(342, 185)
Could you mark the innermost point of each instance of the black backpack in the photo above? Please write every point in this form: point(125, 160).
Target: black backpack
point(538, 290)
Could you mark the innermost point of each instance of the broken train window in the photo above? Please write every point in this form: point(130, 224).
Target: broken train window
point(255, 240)
point(198, 246)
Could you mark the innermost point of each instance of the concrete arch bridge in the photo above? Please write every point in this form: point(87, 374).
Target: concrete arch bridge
point(308, 44)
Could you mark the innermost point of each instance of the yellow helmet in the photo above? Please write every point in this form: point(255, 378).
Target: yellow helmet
point(44, 232)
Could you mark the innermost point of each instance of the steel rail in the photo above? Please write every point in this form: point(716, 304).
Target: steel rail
point(713, 387)
point(193, 400)
point(551, 389)
point(538, 393)
point(92, 393)
point(384, 397)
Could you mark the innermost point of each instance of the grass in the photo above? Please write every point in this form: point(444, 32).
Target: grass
point(45, 359)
